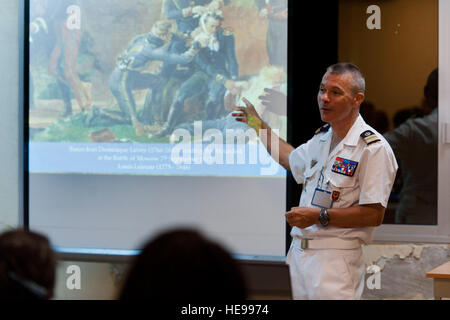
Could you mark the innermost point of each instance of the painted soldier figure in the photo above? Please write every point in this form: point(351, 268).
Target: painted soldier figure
point(139, 67)
point(217, 69)
point(187, 13)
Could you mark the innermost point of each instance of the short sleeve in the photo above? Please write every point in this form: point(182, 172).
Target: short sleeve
point(378, 168)
point(297, 162)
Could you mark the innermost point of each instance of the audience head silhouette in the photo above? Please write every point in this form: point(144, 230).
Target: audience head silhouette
point(183, 264)
point(431, 90)
point(27, 266)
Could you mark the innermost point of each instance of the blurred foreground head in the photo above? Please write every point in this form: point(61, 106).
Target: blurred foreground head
point(27, 266)
point(184, 265)
point(431, 90)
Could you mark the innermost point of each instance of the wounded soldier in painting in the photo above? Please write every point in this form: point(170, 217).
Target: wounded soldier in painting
point(140, 67)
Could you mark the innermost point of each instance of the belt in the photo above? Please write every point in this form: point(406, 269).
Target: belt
point(327, 243)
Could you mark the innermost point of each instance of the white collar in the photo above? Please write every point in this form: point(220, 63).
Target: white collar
point(352, 136)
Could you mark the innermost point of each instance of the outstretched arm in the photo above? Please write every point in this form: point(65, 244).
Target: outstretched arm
point(161, 54)
point(250, 116)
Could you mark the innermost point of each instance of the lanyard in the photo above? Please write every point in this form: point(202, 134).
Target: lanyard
point(321, 179)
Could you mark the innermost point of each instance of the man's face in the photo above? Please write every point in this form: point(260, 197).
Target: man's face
point(336, 99)
point(162, 33)
point(212, 25)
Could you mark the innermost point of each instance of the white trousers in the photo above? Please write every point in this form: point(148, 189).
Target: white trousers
point(326, 274)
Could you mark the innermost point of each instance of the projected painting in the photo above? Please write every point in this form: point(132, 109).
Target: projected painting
point(105, 75)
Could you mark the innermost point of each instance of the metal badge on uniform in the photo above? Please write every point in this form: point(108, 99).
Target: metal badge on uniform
point(335, 195)
point(322, 199)
point(344, 166)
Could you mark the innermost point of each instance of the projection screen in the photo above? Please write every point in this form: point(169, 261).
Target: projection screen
point(130, 126)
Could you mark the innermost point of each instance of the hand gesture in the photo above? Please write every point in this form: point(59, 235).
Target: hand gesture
point(302, 217)
point(274, 101)
point(248, 115)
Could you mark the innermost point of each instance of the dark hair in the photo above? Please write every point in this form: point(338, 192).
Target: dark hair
point(431, 89)
point(405, 114)
point(377, 119)
point(27, 266)
point(358, 83)
point(182, 264)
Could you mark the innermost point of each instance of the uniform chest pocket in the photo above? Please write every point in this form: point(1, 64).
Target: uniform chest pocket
point(343, 190)
point(342, 182)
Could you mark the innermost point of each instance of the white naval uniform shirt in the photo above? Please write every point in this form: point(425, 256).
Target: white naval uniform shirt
point(371, 182)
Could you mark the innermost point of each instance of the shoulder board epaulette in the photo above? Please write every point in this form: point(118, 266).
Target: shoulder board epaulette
point(227, 32)
point(369, 137)
point(323, 128)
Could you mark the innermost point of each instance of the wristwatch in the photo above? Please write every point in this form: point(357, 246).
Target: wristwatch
point(324, 218)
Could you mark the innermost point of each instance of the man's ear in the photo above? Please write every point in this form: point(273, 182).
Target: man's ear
point(358, 98)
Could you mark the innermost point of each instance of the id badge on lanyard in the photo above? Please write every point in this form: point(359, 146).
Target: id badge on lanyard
point(322, 198)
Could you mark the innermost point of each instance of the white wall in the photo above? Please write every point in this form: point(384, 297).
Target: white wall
point(9, 105)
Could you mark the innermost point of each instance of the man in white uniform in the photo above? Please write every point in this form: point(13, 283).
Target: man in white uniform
point(347, 170)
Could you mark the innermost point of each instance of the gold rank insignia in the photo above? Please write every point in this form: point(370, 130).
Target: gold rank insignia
point(369, 137)
point(323, 128)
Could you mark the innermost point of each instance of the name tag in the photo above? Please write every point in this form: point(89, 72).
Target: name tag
point(322, 199)
point(344, 166)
